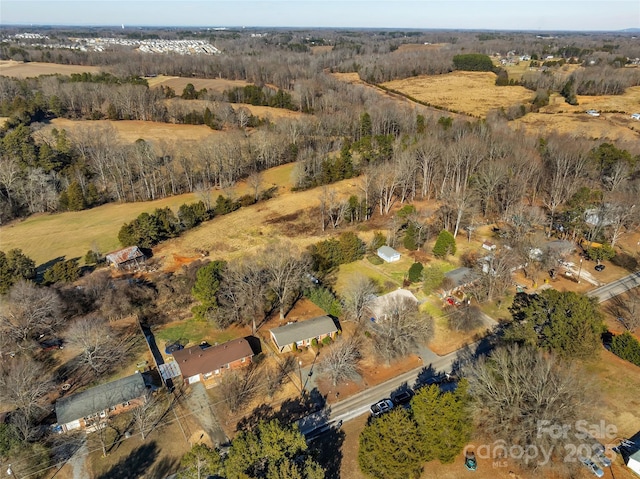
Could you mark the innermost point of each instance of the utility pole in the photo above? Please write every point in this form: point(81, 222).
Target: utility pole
point(580, 269)
point(300, 374)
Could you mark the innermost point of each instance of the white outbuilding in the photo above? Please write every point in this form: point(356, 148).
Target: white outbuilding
point(388, 254)
point(634, 462)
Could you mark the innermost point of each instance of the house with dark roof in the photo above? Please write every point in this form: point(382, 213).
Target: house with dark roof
point(456, 280)
point(302, 333)
point(88, 408)
point(207, 364)
point(126, 258)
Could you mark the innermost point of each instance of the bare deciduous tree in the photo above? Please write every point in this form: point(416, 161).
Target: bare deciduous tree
point(147, 414)
point(286, 269)
point(399, 329)
point(358, 295)
point(626, 308)
point(520, 393)
point(465, 318)
point(340, 362)
point(100, 345)
point(239, 387)
point(29, 311)
point(23, 383)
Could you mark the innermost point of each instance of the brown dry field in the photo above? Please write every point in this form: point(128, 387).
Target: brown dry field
point(217, 85)
point(614, 122)
point(413, 47)
point(15, 69)
point(473, 93)
point(288, 217)
point(131, 130)
point(320, 49)
point(267, 112)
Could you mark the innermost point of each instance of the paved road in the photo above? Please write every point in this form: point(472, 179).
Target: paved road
point(359, 404)
point(619, 286)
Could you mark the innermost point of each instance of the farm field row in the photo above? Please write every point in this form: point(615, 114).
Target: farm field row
point(12, 68)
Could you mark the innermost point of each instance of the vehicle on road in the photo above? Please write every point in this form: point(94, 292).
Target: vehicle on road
point(402, 397)
point(381, 407)
point(599, 454)
point(592, 466)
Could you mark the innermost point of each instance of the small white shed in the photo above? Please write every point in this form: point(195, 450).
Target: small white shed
point(634, 462)
point(388, 254)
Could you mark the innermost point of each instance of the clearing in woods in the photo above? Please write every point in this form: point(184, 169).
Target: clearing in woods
point(217, 85)
point(11, 68)
point(131, 130)
point(268, 112)
point(473, 93)
point(72, 234)
point(614, 122)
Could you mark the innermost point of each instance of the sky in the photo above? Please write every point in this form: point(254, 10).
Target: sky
point(575, 15)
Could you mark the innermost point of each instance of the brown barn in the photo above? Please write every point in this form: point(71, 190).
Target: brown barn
point(208, 363)
point(127, 258)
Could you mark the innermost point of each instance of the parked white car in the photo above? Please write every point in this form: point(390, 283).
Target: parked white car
point(592, 466)
point(593, 112)
point(635, 116)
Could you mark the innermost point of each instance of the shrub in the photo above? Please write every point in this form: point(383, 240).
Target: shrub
point(314, 342)
point(377, 241)
point(375, 259)
point(627, 347)
point(474, 62)
point(433, 278)
point(603, 253)
point(325, 299)
point(415, 272)
point(445, 245)
point(91, 257)
point(327, 341)
point(63, 271)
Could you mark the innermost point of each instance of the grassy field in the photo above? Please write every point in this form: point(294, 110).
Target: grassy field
point(419, 47)
point(260, 111)
point(15, 69)
point(614, 122)
point(45, 237)
point(131, 130)
point(217, 85)
point(473, 93)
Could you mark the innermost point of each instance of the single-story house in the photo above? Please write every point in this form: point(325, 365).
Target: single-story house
point(488, 245)
point(382, 305)
point(127, 258)
point(88, 408)
point(388, 254)
point(303, 333)
point(634, 462)
point(208, 363)
point(457, 279)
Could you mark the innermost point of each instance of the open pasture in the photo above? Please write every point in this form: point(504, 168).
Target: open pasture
point(614, 122)
point(11, 68)
point(217, 85)
point(473, 93)
point(44, 237)
point(131, 130)
point(419, 47)
point(267, 112)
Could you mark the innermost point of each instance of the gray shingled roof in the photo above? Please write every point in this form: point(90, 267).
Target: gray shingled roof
point(99, 398)
point(461, 276)
point(310, 328)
